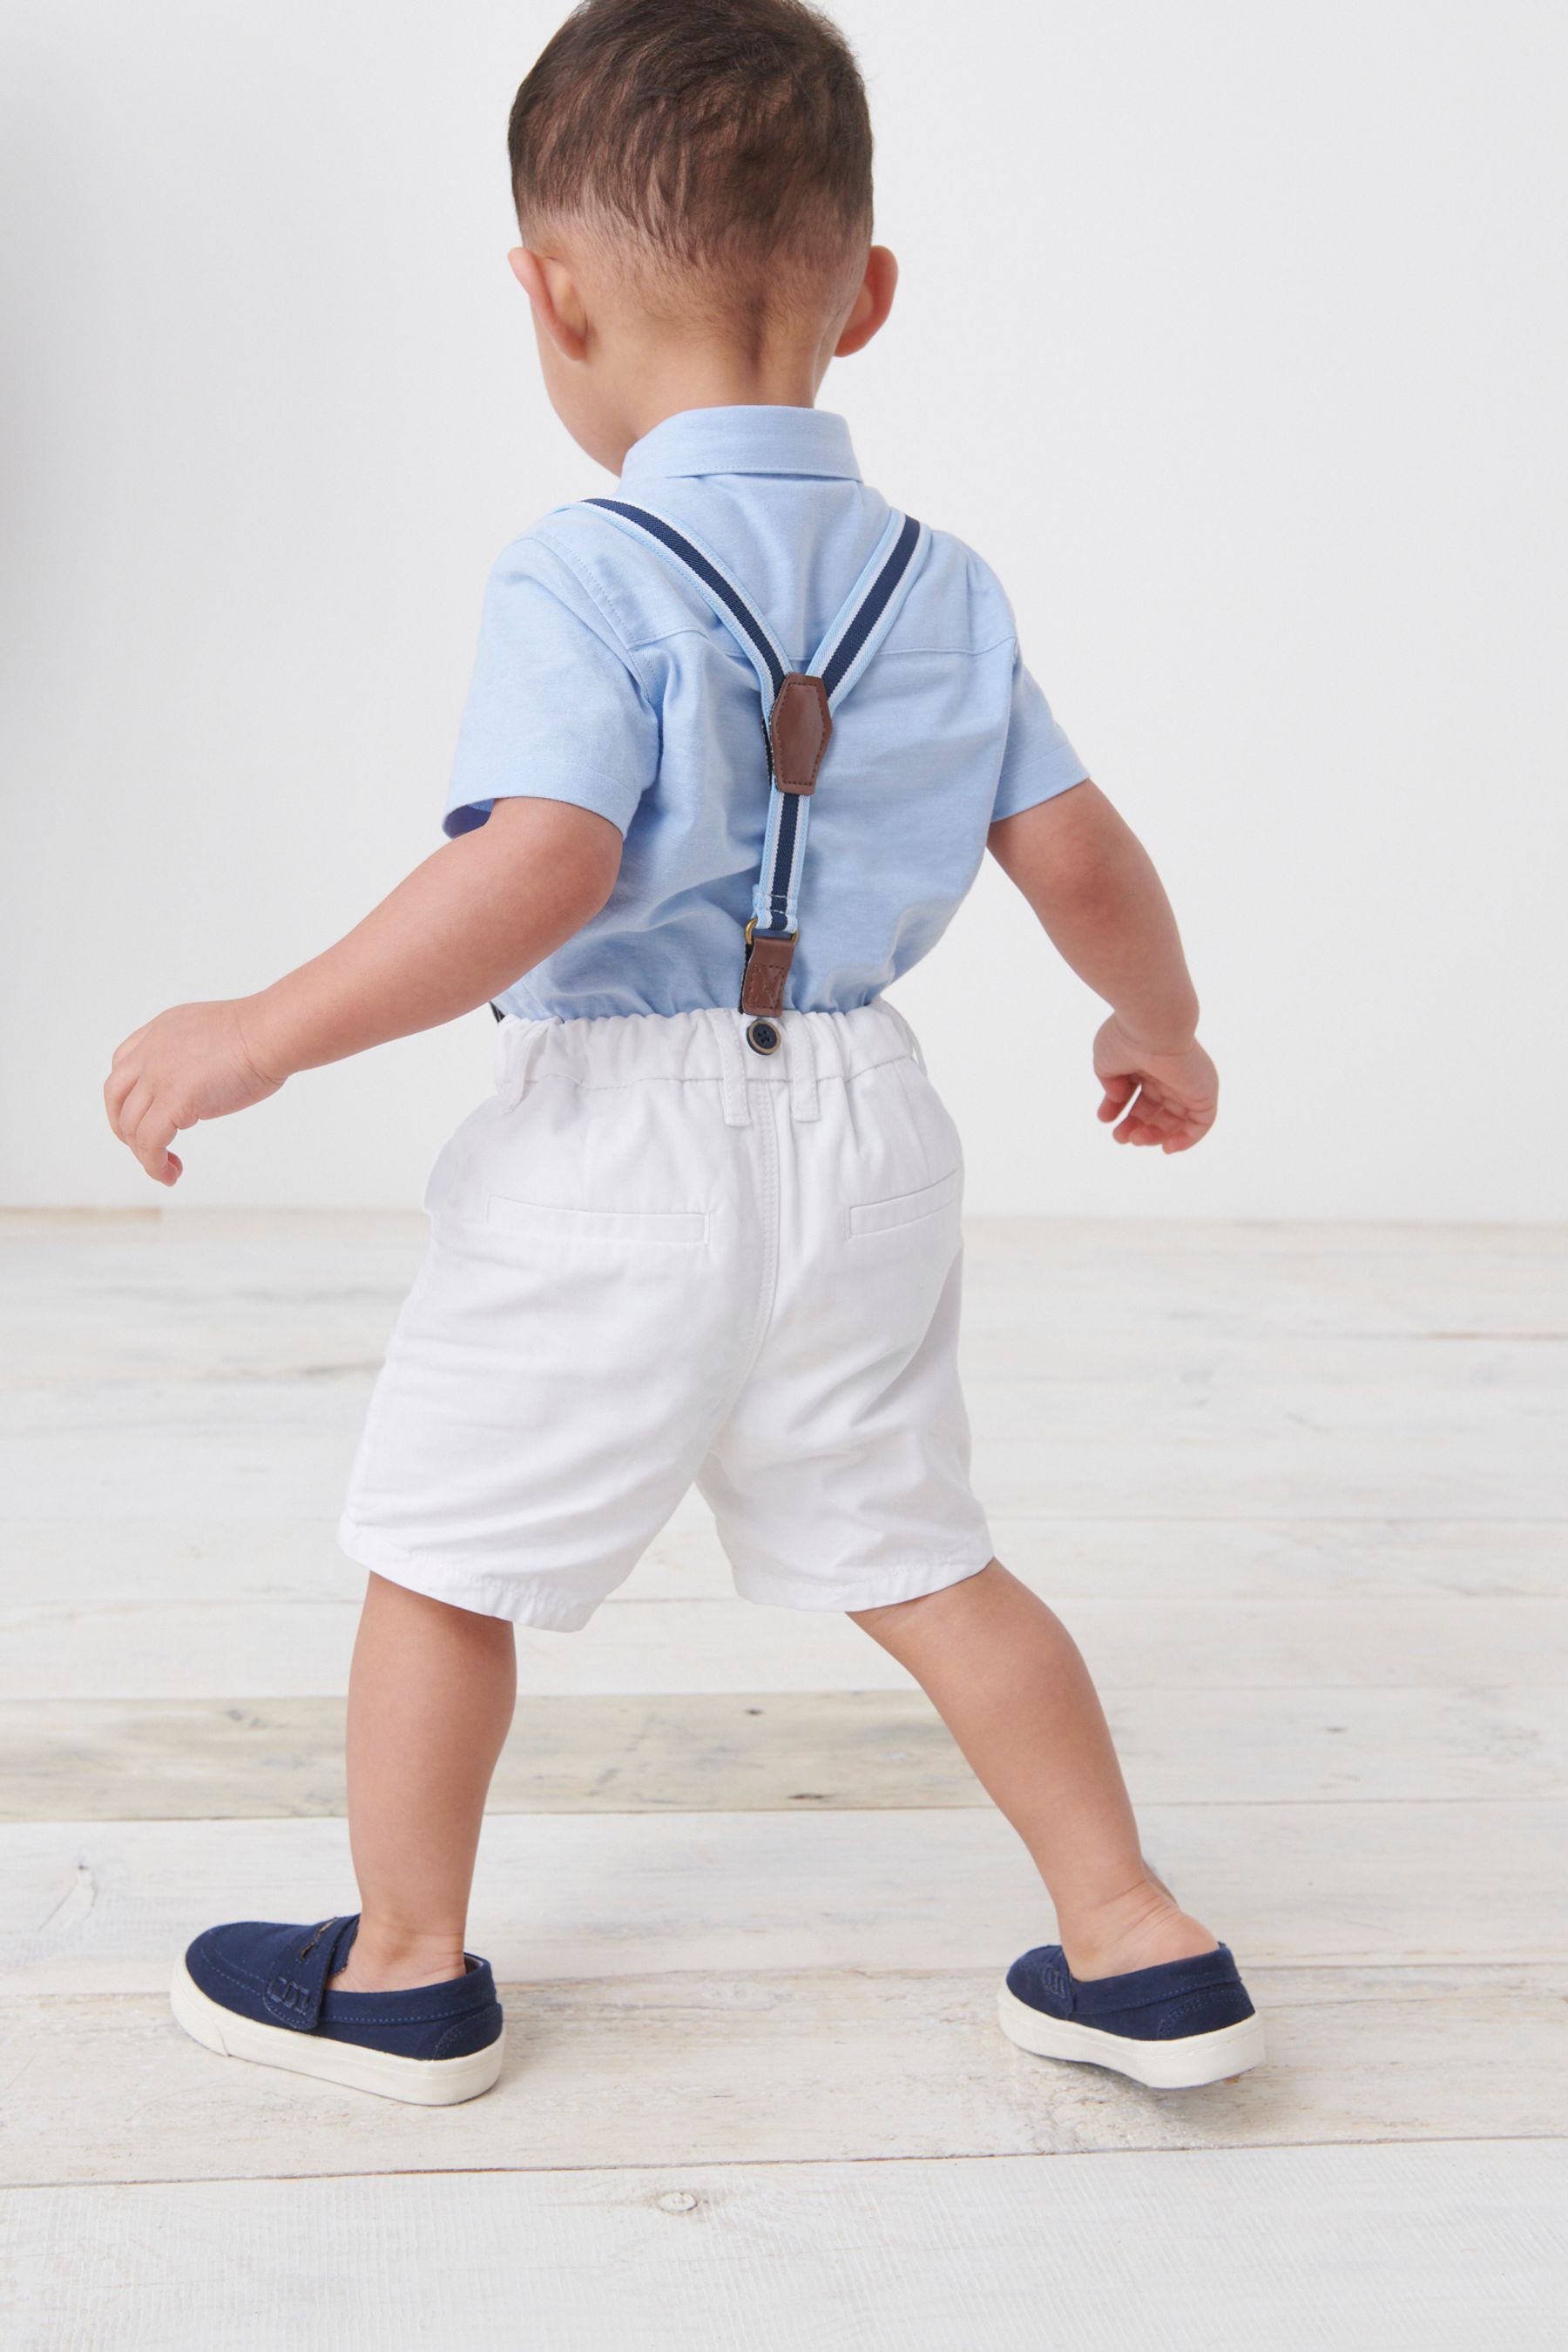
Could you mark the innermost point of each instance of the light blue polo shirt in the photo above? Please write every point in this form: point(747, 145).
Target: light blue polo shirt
point(605, 679)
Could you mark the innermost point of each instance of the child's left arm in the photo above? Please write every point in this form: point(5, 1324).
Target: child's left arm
point(463, 927)
point(1090, 881)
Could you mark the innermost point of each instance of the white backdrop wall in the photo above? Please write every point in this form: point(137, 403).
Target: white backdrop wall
point(1233, 333)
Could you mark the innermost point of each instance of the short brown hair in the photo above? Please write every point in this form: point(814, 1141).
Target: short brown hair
point(725, 142)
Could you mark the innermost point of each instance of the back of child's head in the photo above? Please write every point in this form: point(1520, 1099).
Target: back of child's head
point(717, 152)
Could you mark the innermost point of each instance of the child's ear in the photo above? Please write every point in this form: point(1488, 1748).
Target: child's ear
point(557, 305)
point(872, 303)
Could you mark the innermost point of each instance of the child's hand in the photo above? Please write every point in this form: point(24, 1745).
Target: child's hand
point(189, 1064)
point(1170, 1099)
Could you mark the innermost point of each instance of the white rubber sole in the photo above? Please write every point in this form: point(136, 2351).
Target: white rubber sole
point(1180, 2065)
point(422, 2082)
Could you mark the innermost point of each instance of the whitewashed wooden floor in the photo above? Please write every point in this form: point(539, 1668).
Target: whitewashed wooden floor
point(1301, 1491)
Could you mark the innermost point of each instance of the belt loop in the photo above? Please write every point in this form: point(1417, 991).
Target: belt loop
point(517, 1048)
point(911, 1042)
point(733, 1076)
point(511, 1043)
point(801, 1060)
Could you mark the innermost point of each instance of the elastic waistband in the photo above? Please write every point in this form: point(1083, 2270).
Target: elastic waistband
point(632, 1048)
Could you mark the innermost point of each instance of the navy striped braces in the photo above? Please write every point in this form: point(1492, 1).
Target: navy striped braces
point(858, 628)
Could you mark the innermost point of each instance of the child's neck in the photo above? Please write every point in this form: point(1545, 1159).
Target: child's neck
point(717, 375)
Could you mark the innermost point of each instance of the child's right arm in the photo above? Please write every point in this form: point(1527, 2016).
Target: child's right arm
point(464, 926)
point(1091, 883)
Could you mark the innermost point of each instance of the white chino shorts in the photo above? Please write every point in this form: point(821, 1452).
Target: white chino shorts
point(657, 1256)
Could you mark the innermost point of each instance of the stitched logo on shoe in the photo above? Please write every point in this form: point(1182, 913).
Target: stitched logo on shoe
point(283, 1993)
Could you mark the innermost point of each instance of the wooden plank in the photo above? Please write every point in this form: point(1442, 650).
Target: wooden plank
point(1283, 1370)
point(103, 1906)
point(243, 1448)
point(1350, 1452)
point(1358, 1438)
point(1430, 2249)
point(97, 1561)
point(1197, 1277)
point(277, 1296)
point(141, 1338)
point(184, 1760)
point(707, 2068)
point(265, 1649)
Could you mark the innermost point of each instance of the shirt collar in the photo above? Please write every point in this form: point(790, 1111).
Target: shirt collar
point(743, 441)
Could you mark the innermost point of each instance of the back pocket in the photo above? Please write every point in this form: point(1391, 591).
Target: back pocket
point(634, 1228)
point(907, 1208)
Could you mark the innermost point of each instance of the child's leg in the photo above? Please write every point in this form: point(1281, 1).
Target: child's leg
point(430, 1699)
point(1007, 1678)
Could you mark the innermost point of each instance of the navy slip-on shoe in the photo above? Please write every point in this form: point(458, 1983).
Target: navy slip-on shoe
point(256, 1989)
point(1172, 2027)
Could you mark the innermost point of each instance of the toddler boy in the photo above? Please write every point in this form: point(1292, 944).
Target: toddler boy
point(707, 1228)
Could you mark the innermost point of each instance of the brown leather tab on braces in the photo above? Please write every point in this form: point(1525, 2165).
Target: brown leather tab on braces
point(798, 729)
point(767, 973)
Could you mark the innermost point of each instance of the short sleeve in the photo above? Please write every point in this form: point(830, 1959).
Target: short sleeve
point(554, 711)
point(1037, 760)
